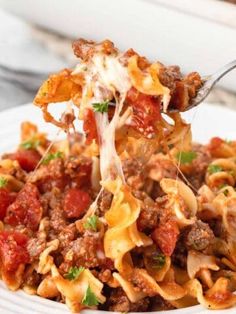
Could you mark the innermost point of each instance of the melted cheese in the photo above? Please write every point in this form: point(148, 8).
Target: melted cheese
point(111, 73)
point(104, 77)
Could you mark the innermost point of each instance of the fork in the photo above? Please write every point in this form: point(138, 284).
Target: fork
point(208, 84)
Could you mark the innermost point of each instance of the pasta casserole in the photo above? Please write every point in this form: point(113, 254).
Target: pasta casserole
point(130, 215)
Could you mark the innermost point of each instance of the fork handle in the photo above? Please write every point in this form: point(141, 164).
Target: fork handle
point(222, 71)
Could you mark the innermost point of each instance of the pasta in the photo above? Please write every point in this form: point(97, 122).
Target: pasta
point(130, 215)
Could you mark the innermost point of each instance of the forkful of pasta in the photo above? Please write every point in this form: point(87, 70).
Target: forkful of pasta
point(107, 81)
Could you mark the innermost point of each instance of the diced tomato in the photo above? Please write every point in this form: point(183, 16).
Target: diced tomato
point(215, 143)
point(76, 203)
point(28, 159)
point(165, 236)
point(215, 147)
point(5, 200)
point(26, 209)
point(13, 251)
point(146, 111)
point(89, 126)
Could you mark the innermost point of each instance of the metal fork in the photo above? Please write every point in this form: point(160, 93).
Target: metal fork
point(208, 84)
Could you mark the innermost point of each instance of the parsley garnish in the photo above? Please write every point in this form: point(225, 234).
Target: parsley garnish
point(186, 157)
point(30, 144)
point(101, 106)
point(159, 260)
point(214, 168)
point(90, 298)
point(52, 156)
point(3, 182)
point(91, 223)
point(74, 273)
point(226, 192)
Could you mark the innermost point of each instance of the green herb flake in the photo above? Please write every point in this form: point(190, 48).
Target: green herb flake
point(30, 144)
point(159, 261)
point(3, 182)
point(74, 272)
point(226, 192)
point(52, 156)
point(91, 223)
point(101, 107)
point(186, 157)
point(90, 298)
point(214, 168)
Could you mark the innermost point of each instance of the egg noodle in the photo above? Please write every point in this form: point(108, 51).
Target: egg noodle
point(131, 215)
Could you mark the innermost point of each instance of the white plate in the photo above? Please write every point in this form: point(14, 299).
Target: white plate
point(207, 121)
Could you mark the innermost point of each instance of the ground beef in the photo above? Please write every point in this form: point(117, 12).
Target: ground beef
point(104, 202)
point(119, 302)
point(149, 214)
point(134, 173)
point(218, 229)
point(198, 236)
point(142, 283)
point(193, 82)
point(35, 247)
point(195, 171)
point(50, 176)
point(79, 170)
point(169, 75)
point(56, 213)
point(182, 89)
point(157, 303)
point(88, 251)
point(179, 256)
point(85, 49)
point(32, 279)
point(165, 210)
point(67, 235)
point(160, 167)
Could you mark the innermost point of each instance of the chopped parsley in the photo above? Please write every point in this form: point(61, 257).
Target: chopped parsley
point(30, 144)
point(214, 168)
point(159, 260)
point(3, 182)
point(101, 106)
point(226, 192)
point(90, 298)
point(52, 156)
point(74, 272)
point(186, 157)
point(91, 223)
